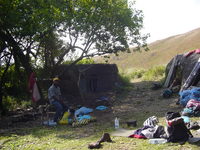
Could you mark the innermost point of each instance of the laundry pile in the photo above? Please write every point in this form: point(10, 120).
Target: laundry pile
point(190, 99)
point(177, 129)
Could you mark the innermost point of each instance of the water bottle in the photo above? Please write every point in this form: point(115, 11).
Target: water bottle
point(116, 123)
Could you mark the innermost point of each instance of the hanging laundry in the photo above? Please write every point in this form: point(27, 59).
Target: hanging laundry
point(33, 88)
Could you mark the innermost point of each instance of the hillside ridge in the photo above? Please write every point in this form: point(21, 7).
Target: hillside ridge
point(160, 52)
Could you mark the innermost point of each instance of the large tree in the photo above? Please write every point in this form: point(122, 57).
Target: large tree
point(23, 23)
point(31, 31)
point(93, 27)
point(98, 27)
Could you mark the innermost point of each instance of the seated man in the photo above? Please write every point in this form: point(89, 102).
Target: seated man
point(55, 98)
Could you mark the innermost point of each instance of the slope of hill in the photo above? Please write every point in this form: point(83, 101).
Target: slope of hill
point(160, 53)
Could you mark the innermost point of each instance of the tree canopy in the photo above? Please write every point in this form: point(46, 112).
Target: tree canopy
point(102, 27)
point(46, 32)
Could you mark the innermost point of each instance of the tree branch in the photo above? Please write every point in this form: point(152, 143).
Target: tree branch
point(16, 50)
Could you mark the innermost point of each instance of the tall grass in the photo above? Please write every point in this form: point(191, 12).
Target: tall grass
point(153, 74)
point(137, 74)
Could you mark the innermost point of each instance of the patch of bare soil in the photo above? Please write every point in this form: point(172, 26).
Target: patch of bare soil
point(140, 103)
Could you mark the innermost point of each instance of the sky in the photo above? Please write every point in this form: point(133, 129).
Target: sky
point(165, 18)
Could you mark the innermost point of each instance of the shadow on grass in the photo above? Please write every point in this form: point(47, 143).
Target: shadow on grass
point(61, 131)
point(138, 103)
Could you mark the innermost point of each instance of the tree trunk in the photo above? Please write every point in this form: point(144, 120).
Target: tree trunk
point(2, 109)
point(1, 100)
point(17, 51)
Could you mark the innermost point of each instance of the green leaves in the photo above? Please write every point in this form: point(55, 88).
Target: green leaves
point(31, 30)
point(97, 25)
point(105, 25)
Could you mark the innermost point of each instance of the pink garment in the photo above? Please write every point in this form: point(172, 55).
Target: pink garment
point(193, 103)
point(197, 51)
point(33, 88)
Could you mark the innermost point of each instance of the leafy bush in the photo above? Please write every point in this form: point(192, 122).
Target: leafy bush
point(137, 74)
point(86, 61)
point(15, 84)
point(125, 85)
point(125, 79)
point(155, 73)
point(11, 103)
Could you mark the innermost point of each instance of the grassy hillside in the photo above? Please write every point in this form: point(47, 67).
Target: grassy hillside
point(160, 52)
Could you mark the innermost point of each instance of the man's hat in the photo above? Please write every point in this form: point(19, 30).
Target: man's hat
point(56, 79)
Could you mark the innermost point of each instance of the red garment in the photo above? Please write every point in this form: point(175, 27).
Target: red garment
point(137, 136)
point(175, 121)
point(31, 81)
point(33, 88)
point(197, 51)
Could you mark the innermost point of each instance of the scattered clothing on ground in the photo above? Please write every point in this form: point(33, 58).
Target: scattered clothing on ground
point(186, 95)
point(167, 93)
point(101, 107)
point(83, 122)
point(192, 108)
point(83, 117)
point(193, 125)
point(151, 121)
point(82, 111)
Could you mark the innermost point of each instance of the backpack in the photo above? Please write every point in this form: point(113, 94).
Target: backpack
point(176, 128)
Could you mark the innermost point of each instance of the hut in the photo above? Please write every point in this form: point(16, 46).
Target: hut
point(82, 83)
point(184, 70)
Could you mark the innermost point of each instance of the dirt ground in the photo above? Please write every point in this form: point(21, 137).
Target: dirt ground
point(140, 102)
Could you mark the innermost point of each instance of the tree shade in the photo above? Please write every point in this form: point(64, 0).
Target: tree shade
point(30, 31)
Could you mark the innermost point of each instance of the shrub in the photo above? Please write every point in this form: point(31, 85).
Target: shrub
point(86, 61)
point(11, 103)
point(125, 85)
point(155, 73)
point(125, 79)
point(137, 74)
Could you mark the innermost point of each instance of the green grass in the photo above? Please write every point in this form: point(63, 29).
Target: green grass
point(68, 138)
point(64, 137)
point(60, 137)
point(135, 74)
point(153, 74)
